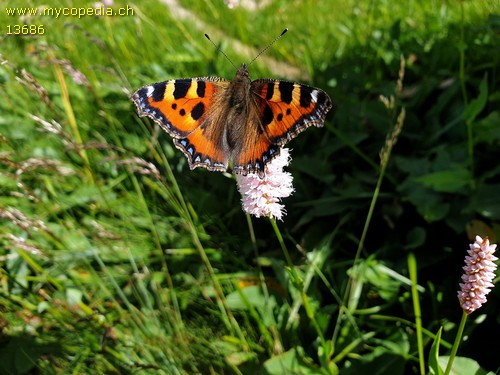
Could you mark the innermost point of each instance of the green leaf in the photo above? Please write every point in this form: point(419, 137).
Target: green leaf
point(19, 355)
point(415, 238)
point(485, 201)
point(434, 368)
point(379, 362)
point(427, 202)
point(450, 181)
point(487, 129)
point(385, 281)
point(238, 358)
point(250, 295)
point(464, 366)
point(475, 106)
point(289, 363)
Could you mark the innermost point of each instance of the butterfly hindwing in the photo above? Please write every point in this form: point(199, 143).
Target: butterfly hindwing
point(256, 152)
point(287, 108)
point(202, 151)
point(185, 109)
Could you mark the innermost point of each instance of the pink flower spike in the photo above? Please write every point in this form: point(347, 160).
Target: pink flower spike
point(262, 196)
point(479, 273)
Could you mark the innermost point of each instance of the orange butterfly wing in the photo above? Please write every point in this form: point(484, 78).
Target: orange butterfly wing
point(288, 108)
point(182, 108)
point(283, 110)
point(213, 120)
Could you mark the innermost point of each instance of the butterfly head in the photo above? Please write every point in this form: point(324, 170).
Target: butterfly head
point(243, 71)
point(242, 81)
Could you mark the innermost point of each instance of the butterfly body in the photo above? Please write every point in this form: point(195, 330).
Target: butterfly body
point(215, 121)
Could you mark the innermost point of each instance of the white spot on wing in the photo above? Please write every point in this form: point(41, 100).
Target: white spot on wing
point(314, 95)
point(149, 91)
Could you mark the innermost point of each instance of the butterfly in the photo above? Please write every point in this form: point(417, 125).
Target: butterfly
point(214, 121)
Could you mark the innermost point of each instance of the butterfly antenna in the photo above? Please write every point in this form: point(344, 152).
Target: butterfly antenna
point(268, 46)
point(219, 50)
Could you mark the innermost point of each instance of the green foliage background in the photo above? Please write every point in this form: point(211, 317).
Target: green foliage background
point(115, 258)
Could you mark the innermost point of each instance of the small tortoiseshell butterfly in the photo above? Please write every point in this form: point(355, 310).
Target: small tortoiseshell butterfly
point(214, 121)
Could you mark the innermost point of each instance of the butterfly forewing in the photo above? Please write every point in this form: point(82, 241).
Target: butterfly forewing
point(184, 109)
point(289, 108)
point(178, 106)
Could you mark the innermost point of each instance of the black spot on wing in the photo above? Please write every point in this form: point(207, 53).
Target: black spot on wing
point(270, 90)
point(200, 89)
point(198, 111)
point(141, 93)
point(159, 91)
point(286, 90)
point(267, 116)
point(322, 98)
point(181, 88)
point(305, 96)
